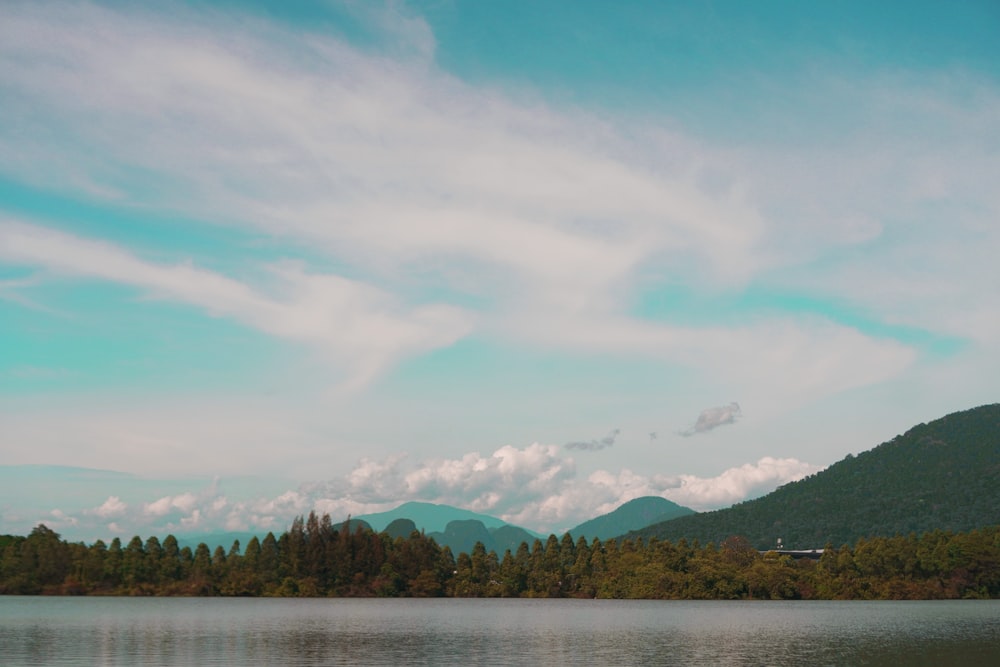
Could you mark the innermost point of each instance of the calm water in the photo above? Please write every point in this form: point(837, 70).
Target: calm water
point(213, 631)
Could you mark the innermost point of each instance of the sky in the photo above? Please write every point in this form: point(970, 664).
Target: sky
point(532, 259)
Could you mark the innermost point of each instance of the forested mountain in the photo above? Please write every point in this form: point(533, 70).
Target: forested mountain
point(461, 536)
point(633, 515)
point(428, 517)
point(453, 527)
point(510, 538)
point(214, 540)
point(944, 475)
point(401, 528)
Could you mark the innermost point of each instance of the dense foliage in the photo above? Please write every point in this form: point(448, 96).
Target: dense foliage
point(940, 475)
point(313, 558)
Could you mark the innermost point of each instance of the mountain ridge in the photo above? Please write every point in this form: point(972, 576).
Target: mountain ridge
point(632, 515)
point(940, 475)
point(428, 517)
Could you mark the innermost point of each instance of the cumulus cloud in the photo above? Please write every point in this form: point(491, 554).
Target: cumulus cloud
point(184, 503)
point(712, 418)
point(532, 486)
point(111, 508)
point(736, 484)
point(594, 445)
point(535, 486)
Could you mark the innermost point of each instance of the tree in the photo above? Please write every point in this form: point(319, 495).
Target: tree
point(134, 565)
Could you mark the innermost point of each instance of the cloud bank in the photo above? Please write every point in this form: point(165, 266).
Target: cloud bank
point(535, 486)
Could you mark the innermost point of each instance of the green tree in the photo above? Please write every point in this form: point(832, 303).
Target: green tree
point(134, 565)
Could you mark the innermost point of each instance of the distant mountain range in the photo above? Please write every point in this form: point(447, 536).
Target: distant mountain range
point(456, 528)
point(944, 475)
point(427, 517)
point(460, 529)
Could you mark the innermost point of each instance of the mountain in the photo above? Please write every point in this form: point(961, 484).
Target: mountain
point(428, 517)
point(941, 475)
point(400, 528)
point(226, 539)
point(453, 527)
point(213, 540)
point(511, 537)
point(461, 536)
point(633, 515)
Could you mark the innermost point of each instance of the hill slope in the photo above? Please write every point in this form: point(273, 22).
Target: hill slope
point(633, 515)
point(941, 475)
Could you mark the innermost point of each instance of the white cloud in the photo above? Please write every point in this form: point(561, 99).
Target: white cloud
point(398, 175)
point(736, 484)
point(192, 522)
point(358, 326)
point(397, 181)
point(413, 180)
point(184, 503)
point(535, 486)
point(111, 508)
point(538, 488)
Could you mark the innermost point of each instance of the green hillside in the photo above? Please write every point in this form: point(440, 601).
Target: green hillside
point(633, 515)
point(941, 475)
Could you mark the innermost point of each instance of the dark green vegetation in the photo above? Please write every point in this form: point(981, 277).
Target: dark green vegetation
point(314, 558)
point(944, 475)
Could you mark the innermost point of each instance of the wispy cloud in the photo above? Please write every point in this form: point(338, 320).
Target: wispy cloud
point(377, 208)
point(357, 326)
point(712, 418)
point(410, 179)
point(594, 445)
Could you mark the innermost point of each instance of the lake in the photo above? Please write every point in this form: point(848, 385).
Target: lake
point(257, 631)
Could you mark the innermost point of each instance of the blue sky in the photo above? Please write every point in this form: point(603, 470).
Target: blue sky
point(532, 259)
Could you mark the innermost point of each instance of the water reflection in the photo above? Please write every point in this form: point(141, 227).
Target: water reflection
point(174, 631)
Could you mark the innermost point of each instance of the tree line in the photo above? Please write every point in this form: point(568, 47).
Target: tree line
point(316, 558)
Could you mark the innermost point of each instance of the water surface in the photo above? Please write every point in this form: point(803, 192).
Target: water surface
point(227, 631)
